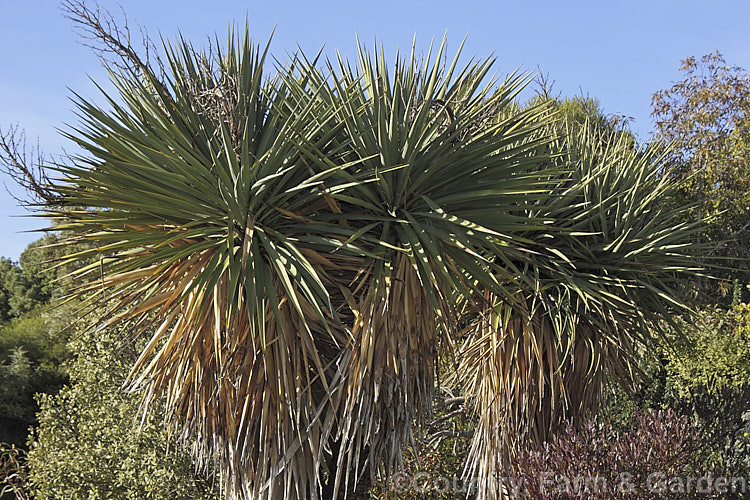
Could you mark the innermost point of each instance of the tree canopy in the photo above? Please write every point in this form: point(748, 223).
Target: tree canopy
point(307, 244)
point(705, 117)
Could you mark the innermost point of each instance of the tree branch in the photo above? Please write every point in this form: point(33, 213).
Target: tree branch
point(100, 32)
point(28, 172)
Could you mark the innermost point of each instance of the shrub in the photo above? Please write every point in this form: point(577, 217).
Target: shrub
point(90, 443)
point(594, 461)
point(711, 351)
point(32, 355)
point(723, 416)
point(702, 372)
point(13, 473)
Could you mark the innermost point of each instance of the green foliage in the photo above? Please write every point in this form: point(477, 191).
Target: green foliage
point(31, 282)
point(38, 261)
point(711, 350)
point(17, 294)
point(707, 376)
point(587, 111)
point(723, 417)
point(14, 380)
point(579, 112)
point(107, 452)
point(39, 334)
point(32, 352)
point(14, 474)
point(33, 334)
point(706, 116)
point(89, 444)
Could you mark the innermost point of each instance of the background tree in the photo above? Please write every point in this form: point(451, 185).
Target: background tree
point(33, 336)
point(32, 353)
point(33, 280)
point(706, 117)
point(39, 263)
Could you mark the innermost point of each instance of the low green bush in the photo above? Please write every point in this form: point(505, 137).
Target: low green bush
point(32, 356)
point(14, 474)
point(90, 442)
point(710, 351)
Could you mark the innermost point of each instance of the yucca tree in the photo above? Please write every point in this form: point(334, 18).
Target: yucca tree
point(307, 243)
point(193, 190)
point(611, 268)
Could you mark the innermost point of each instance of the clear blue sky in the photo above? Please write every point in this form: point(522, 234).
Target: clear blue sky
point(619, 52)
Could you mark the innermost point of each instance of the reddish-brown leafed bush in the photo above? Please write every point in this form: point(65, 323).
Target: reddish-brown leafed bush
point(657, 457)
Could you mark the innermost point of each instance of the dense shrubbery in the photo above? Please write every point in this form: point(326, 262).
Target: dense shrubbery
point(14, 473)
point(29, 283)
point(18, 293)
point(91, 444)
point(723, 417)
point(689, 420)
point(706, 373)
point(595, 461)
point(701, 371)
point(33, 333)
point(32, 352)
point(712, 351)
